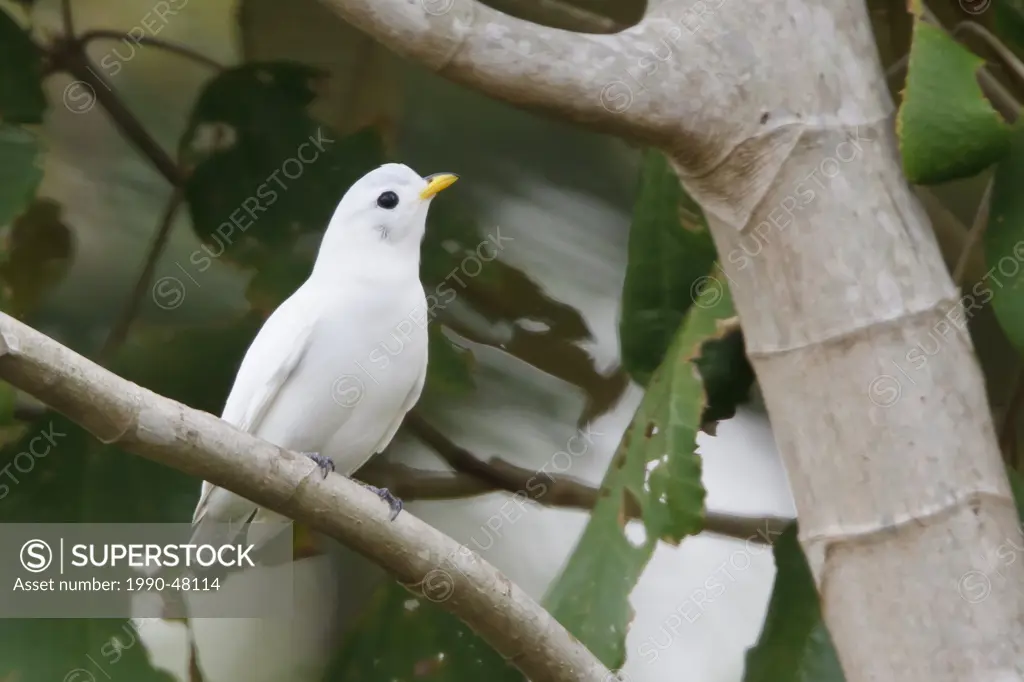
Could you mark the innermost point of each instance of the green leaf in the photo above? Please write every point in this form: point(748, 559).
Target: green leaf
point(20, 170)
point(670, 249)
point(1004, 244)
point(794, 645)
point(266, 172)
point(403, 636)
point(655, 471)
point(947, 128)
point(21, 76)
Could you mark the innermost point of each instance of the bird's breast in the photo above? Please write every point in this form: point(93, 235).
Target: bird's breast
point(364, 357)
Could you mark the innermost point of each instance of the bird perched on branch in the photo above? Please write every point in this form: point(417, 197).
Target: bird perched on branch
point(337, 366)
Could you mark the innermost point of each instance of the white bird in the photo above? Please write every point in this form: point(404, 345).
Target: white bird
point(337, 366)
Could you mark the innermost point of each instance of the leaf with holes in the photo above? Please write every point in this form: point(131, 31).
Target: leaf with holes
point(655, 473)
point(947, 128)
point(670, 249)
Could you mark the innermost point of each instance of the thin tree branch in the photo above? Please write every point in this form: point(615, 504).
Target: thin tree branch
point(565, 491)
point(951, 234)
point(409, 483)
point(974, 235)
point(119, 331)
point(70, 56)
point(180, 50)
point(67, 18)
point(1009, 59)
point(412, 484)
point(201, 445)
point(898, 66)
point(511, 59)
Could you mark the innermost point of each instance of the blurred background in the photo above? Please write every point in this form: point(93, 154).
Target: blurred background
point(117, 256)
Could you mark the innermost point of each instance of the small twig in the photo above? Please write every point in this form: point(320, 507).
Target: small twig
point(195, 673)
point(897, 66)
point(565, 491)
point(119, 331)
point(68, 19)
point(975, 234)
point(180, 50)
point(70, 56)
point(1009, 59)
point(410, 483)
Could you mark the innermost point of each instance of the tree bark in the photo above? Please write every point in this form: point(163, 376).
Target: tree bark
point(424, 560)
point(777, 117)
point(859, 341)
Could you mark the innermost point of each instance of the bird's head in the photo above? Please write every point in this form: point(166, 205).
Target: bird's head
point(387, 206)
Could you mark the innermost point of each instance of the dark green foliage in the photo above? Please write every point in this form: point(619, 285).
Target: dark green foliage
point(21, 73)
point(670, 249)
point(266, 173)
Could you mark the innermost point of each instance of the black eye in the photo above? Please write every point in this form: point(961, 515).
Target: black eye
point(387, 200)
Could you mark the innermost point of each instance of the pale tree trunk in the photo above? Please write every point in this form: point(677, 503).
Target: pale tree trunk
point(777, 116)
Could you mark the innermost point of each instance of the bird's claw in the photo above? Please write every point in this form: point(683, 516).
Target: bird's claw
point(393, 502)
point(326, 464)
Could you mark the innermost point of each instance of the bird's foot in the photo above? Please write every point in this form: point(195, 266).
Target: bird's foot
point(385, 494)
point(326, 464)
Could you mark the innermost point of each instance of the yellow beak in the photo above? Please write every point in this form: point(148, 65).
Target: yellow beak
point(436, 183)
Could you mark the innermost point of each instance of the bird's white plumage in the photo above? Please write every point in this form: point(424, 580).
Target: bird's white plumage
point(337, 366)
point(270, 361)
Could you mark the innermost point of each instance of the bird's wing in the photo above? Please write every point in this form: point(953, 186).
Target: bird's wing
point(410, 402)
point(270, 361)
point(268, 364)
